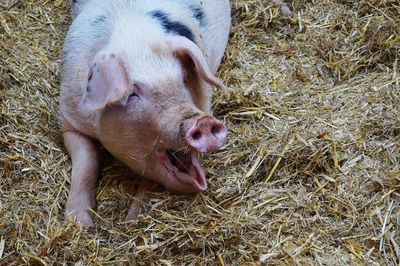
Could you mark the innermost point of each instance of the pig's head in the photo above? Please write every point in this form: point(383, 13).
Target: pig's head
point(152, 113)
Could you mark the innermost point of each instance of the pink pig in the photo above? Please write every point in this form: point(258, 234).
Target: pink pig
point(137, 78)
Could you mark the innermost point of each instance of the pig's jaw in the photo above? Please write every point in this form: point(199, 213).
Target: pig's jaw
point(185, 168)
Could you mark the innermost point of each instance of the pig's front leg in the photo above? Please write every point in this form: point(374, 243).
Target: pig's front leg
point(141, 195)
point(85, 158)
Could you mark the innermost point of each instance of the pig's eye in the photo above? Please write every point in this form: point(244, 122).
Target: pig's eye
point(133, 96)
point(133, 99)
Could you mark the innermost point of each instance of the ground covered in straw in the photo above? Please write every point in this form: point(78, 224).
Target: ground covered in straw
point(310, 173)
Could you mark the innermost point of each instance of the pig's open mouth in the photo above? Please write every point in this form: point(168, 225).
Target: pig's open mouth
point(185, 167)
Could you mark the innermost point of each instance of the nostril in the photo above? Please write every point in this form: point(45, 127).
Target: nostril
point(215, 130)
point(196, 135)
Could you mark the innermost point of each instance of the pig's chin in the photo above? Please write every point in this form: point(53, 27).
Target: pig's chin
point(185, 168)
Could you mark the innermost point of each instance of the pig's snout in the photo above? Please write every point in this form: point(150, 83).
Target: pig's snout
point(207, 134)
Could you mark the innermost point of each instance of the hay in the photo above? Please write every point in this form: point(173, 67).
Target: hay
point(310, 173)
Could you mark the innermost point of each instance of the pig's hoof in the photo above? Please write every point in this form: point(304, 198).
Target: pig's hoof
point(132, 216)
point(283, 8)
point(79, 215)
point(285, 11)
point(133, 213)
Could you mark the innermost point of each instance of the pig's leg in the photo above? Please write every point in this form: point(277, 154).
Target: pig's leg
point(285, 11)
point(145, 187)
point(85, 158)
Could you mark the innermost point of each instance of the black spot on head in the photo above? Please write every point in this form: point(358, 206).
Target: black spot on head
point(198, 13)
point(172, 26)
point(88, 88)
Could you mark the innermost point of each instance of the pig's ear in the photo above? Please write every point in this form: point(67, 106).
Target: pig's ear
point(182, 47)
point(108, 82)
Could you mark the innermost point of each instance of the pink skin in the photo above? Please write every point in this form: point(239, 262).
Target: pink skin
point(85, 169)
point(206, 135)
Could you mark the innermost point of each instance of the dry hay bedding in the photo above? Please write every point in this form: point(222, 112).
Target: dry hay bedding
point(309, 175)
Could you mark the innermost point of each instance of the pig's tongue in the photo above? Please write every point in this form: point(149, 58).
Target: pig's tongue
point(188, 166)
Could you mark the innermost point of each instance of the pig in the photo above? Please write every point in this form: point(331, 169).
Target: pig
point(137, 79)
